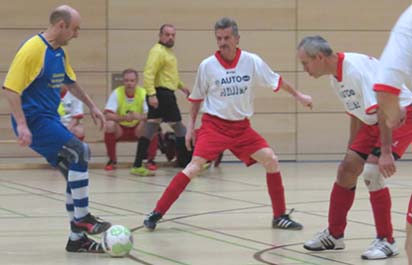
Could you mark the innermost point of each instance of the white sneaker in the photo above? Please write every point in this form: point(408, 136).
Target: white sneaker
point(323, 240)
point(380, 249)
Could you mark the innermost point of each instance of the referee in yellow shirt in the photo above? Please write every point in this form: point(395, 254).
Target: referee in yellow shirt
point(161, 80)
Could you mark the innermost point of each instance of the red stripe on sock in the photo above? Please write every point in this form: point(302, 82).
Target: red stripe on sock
point(276, 193)
point(172, 192)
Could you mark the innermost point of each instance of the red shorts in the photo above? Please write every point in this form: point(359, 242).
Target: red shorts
point(216, 135)
point(409, 213)
point(368, 137)
point(128, 134)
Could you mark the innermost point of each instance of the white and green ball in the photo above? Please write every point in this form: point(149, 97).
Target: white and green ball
point(117, 241)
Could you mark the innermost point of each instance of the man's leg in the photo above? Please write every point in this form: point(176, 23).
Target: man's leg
point(269, 161)
point(112, 133)
point(173, 191)
point(150, 129)
point(77, 155)
point(408, 241)
point(384, 245)
point(183, 155)
point(78, 241)
point(341, 200)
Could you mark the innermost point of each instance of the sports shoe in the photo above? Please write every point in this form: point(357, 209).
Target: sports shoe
point(380, 249)
point(323, 240)
point(151, 220)
point(141, 171)
point(90, 224)
point(84, 244)
point(284, 222)
point(111, 164)
point(151, 165)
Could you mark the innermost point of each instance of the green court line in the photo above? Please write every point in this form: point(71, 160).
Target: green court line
point(161, 257)
point(243, 246)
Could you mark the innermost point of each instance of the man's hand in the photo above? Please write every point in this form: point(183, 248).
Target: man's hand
point(185, 91)
point(387, 165)
point(305, 100)
point(97, 115)
point(153, 101)
point(189, 139)
point(24, 134)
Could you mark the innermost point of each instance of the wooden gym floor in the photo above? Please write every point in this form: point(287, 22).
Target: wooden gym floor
point(223, 218)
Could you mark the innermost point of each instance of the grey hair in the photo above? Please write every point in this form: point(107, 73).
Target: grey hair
point(225, 23)
point(312, 45)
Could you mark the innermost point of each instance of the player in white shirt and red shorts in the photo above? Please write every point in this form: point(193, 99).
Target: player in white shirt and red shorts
point(396, 70)
point(352, 77)
point(226, 83)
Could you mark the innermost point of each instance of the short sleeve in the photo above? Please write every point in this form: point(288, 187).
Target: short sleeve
point(26, 65)
point(201, 86)
point(111, 104)
point(265, 76)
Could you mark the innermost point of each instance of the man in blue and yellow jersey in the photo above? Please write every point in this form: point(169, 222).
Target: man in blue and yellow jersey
point(161, 80)
point(125, 112)
point(32, 88)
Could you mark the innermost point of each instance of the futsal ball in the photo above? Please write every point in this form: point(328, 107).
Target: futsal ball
point(117, 241)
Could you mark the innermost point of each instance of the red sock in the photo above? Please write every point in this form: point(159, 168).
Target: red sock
point(341, 200)
point(110, 141)
point(276, 193)
point(151, 152)
point(381, 206)
point(172, 192)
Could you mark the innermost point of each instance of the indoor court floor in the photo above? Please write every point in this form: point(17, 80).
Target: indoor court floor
point(223, 218)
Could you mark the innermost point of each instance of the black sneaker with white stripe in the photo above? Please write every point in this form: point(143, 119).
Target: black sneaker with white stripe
point(84, 244)
point(285, 222)
point(324, 241)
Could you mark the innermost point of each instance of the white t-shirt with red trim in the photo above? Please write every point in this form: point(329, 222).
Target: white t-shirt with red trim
point(228, 90)
point(73, 108)
point(353, 85)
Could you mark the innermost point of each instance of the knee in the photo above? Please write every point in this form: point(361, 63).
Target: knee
point(76, 153)
point(110, 126)
point(348, 174)
point(179, 128)
point(373, 178)
point(270, 162)
point(194, 167)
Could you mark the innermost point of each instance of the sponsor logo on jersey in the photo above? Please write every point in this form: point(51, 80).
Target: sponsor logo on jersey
point(234, 79)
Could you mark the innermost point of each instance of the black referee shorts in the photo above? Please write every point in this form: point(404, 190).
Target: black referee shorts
point(167, 110)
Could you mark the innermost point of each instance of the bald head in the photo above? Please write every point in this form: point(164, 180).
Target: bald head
point(63, 12)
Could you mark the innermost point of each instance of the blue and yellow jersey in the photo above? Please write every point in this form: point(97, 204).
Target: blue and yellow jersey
point(37, 74)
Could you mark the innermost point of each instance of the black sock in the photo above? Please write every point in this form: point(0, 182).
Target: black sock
point(141, 151)
point(183, 155)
